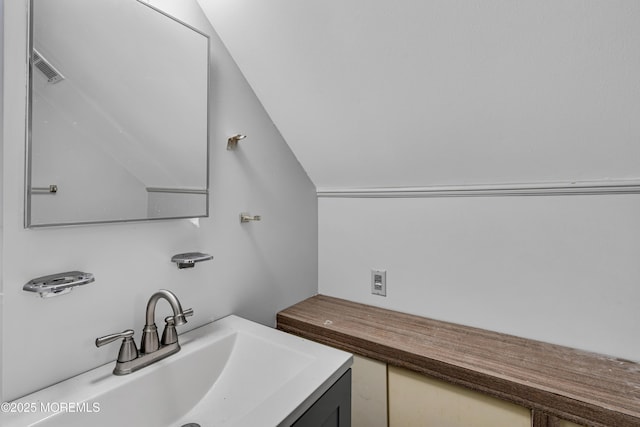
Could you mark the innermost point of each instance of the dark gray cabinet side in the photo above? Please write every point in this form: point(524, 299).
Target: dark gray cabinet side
point(333, 409)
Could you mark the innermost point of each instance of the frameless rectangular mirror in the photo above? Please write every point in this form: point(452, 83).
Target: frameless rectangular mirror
point(118, 121)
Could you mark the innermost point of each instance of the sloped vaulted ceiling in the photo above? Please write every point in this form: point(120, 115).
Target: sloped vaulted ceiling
point(445, 92)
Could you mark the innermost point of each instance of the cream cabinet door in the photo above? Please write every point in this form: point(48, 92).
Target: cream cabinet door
point(419, 401)
point(368, 393)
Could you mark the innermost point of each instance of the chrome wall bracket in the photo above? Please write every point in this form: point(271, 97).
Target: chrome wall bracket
point(58, 284)
point(245, 217)
point(51, 189)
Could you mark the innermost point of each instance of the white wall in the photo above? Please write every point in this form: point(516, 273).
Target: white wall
point(376, 93)
point(558, 269)
point(425, 93)
point(258, 268)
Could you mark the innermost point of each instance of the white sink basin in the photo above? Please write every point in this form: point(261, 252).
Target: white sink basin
point(232, 372)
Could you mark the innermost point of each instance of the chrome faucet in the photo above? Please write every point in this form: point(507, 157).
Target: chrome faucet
point(129, 358)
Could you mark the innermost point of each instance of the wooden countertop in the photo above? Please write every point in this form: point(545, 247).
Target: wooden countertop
point(562, 382)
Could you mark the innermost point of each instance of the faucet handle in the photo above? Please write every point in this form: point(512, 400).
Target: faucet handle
point(169, 335)
point(113, 337)
point(181, 318)
point(171, 320)
point(128, 350)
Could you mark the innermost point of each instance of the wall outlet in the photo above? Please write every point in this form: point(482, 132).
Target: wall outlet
point(379, 282)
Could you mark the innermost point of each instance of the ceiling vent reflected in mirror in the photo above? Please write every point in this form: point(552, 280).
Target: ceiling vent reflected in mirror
point(49, 71)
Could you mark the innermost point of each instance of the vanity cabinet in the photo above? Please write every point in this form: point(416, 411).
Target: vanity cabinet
point(333, 409)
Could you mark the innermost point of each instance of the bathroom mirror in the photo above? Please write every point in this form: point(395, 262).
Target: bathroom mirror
point(118, 122)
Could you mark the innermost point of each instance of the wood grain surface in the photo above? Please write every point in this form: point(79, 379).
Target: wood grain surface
point(552, 380)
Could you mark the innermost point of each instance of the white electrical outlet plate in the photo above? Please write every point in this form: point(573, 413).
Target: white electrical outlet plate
point(379, 282)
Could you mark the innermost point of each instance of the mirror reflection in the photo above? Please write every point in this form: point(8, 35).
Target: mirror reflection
point(118, 114)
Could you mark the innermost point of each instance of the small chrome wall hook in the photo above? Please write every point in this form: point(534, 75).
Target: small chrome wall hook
point(245, 217)
point(232, 142)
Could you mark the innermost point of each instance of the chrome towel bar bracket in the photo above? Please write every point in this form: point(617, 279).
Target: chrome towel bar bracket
point(52, 189)
point(245, 217)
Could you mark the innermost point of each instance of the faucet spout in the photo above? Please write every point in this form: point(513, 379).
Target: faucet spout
point(150, 342)
point(172, 299)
